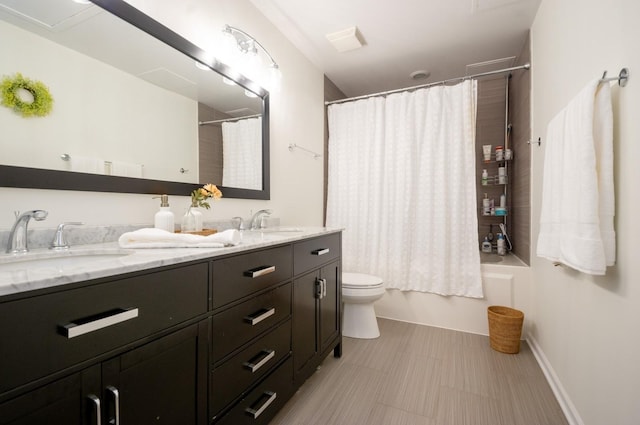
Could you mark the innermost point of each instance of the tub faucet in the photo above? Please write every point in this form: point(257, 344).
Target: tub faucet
point(256, 220)
point(18, 242)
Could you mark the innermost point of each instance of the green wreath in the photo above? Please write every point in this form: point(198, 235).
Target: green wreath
point(42, 101)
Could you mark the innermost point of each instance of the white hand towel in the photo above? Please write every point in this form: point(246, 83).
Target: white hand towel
point(576, 221)
point(158, 238)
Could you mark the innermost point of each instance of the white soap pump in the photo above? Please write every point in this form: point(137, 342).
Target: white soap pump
point(164, 218)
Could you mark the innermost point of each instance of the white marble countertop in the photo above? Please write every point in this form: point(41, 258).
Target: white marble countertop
point(18, 274)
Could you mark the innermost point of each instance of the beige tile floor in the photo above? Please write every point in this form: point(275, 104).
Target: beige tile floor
point(422, 375)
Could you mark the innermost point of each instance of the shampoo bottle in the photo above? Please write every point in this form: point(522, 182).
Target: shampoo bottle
point(485, 177)
point(164, 218)
point(502, 249)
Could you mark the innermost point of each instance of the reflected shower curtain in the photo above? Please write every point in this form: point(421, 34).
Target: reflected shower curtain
point(242, 154)
point(401, 182)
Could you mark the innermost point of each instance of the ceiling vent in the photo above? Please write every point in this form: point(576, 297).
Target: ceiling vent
point(346, 40)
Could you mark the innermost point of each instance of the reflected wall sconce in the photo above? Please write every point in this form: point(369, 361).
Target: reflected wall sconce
point(248, 49)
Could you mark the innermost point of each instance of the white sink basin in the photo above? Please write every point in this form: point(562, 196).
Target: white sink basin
point(58, 261)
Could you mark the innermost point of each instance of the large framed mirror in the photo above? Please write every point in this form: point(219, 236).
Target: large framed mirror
point(137, 108)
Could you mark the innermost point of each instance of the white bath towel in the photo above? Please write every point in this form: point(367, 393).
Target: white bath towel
point(158, 238)
point(576, 221)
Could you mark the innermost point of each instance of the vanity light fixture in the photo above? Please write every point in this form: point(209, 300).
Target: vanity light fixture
point(82, 1)
point(248, 48)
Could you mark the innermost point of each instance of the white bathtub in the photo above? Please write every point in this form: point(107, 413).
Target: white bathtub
point(506, 283)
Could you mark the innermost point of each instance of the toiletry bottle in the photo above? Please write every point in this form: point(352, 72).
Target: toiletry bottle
point(502, 250)
point(486, 246)
point(503, 201)
point(486, 205)
point(485, 177)
point(164, 218)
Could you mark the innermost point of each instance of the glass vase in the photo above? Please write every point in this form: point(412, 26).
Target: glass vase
point(192, 220)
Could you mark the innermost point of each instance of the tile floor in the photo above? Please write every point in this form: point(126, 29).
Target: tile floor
point(422, 375)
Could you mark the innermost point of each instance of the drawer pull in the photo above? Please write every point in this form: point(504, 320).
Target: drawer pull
point(260, 271)
point(258, 317)
point(255, 413)
point(266, 356)
point(99, 321)
point(96, 404)
point(321, 251)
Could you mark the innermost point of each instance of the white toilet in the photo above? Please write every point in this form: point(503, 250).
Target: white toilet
point(359, 292)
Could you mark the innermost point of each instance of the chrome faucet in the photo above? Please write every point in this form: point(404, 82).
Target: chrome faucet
point(256, 220)
point(18, 242)
point(59, 239)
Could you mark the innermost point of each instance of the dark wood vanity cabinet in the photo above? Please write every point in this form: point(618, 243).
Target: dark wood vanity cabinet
point(316, 304)
point(225, 341)
point(136, 346)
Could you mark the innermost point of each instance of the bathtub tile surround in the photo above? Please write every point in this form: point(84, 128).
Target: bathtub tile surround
point(490, 130)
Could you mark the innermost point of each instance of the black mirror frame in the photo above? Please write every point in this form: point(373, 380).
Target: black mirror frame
point(35, 178)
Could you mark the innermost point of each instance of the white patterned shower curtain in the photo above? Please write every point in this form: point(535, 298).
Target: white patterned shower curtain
point(242, 154)
point(401, 182)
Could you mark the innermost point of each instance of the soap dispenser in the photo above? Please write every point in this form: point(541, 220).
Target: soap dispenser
point(164, 218)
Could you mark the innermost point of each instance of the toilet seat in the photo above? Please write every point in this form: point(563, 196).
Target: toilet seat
point(360, 281)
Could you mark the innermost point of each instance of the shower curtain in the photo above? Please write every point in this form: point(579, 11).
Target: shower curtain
point(401, 182)
point(242, 154)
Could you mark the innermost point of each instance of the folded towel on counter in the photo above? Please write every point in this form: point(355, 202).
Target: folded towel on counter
point(158, 238)
point(576, 220)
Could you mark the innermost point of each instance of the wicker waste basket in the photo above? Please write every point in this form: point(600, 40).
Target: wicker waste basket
point(505, 328)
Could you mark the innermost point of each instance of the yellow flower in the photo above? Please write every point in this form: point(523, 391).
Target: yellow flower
point(199, 196)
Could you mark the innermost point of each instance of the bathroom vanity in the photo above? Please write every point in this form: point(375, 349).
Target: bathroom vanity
point(172, 336)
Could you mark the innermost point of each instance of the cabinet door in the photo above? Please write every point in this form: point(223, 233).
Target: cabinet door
point(304, 319)
point(329, 317)
point(73, 400)
point(163, 382)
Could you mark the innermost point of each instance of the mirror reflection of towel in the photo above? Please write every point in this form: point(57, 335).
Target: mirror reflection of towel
point(126, 169)
point(81, 164)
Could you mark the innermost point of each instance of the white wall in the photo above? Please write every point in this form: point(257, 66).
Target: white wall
point(296, 117)
point(586, 327)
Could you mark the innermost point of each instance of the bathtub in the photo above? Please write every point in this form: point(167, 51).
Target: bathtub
point(505, 280)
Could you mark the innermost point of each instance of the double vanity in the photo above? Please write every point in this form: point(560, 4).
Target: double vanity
point(168, 336)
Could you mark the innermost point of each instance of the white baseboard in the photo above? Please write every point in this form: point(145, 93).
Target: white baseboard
point(572, 415)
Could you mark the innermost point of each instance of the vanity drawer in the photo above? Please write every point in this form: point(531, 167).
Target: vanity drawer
point(241, 371)
point(262, 403)
point(241, 275)
point(313, 253)
point(37, 338)
point(241, 323)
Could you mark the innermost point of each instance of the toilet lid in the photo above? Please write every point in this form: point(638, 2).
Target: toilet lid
point(360, 280)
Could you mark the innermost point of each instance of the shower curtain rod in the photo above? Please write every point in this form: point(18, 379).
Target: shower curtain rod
point(228, 119)
point(450, 80)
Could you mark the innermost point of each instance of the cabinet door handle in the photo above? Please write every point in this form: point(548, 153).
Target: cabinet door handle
point(116, 405)
point(255, 413)
point(96, 404)
point(99, 321)
point(259, 316)
point(319, 288)
point(324, 288)
point(266, 356)
point(320, 251)
point(260, 271)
